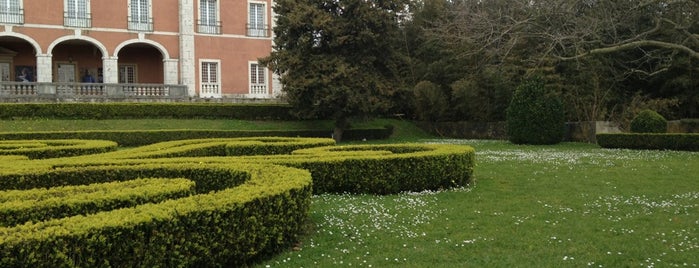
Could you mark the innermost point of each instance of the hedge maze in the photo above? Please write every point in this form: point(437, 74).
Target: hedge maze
point(191, 203)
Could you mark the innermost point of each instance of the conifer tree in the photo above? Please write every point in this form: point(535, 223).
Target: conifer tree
point(337, 58)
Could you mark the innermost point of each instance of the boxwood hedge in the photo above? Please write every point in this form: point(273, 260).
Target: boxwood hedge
point(250, 198)
point(40, 204)
point(131, 138)
point(35, 149)
point(652, 141)
point(116, 110)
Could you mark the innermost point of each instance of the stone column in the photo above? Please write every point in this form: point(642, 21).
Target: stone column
point(170, 66)
point(187, 57)
point(110, 70)
point(44, 68)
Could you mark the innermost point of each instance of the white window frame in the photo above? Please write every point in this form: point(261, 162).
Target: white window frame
point(207, 24)
point(141, 21)
point(125, 79)
point(12, 11)
point(254, 27)
point(77, 17)
point(255, 88)
point(207, 88)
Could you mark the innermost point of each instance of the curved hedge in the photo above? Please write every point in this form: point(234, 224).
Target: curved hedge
point(116, 110)
point(650, 141)
point(385, 169)
point(244, 206)
point(40, 204)
point(35, 149)
point(225, 227)
point(374, 169)
point(131, 138)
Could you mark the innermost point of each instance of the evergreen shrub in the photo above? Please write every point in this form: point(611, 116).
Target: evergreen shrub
point(431, 102)
point(648, 121)
point(650, 141)
point(242, 207)
point(125, 110)
point(40, 149)
point(131, 138)
point(535, 116)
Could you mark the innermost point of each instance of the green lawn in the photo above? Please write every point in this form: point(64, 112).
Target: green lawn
point(140, 124)
point(403, 130)
point(569, 205)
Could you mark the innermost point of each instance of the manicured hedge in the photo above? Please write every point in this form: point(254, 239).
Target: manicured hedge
point(377, 169)
point(648, 121)
point(224, 228)
point(40, 204)
point(146, 110)
point(244, 206)
point(130, 138)
point(654, 141)
point(369, 169)
point(36, 149)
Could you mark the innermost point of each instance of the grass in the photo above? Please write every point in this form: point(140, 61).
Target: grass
point(403, 131)
point(569, 205)
point(140, 124)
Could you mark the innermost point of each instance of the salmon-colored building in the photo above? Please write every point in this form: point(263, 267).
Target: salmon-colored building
point(132, 48)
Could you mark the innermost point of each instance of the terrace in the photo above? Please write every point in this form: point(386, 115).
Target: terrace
point(34, 91)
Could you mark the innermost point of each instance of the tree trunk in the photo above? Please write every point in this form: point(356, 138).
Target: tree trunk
point(340, 126)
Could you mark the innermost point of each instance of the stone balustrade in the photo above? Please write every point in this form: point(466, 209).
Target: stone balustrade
point(29, 90)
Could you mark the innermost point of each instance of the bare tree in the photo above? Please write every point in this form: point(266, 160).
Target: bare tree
point(650, 32)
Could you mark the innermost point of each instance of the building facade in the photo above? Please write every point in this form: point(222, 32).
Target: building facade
point(194, 48)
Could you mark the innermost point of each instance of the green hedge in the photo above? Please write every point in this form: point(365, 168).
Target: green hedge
point(41, 204)
point(653, 141)
point(376, 169)
point(244, 206)
point(39, 149)
point(369, 169)
point(130, 138)
point(145, 110)
point(225, 228)
point(648, 121)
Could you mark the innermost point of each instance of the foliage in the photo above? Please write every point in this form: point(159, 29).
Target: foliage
point(638, 103)
point(406, 168)
point(534, 115)
point(601, 53)
point(128, 138)
point(244, 206)
point(589, 89)
point(483, 96)
point(652, 141)
point(145, 110)
point(38, 149)
point(431, 103)
point(337, 59)
point(224, 226)
point(42, 204)
point(649, 121)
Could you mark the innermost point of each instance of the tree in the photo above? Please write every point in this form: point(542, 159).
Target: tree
point(431, 103)
point(338, 58)
point(647, 46)
point(534, 115)
point(573, 29)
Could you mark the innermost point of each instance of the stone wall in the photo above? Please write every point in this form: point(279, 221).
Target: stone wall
point(575, 131)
